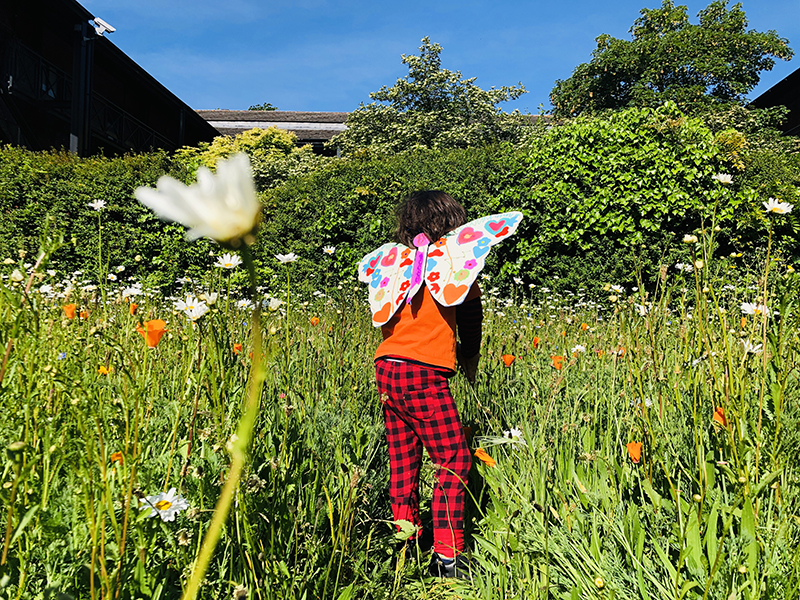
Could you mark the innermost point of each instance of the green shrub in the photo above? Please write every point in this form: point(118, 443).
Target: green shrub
point(602, 194)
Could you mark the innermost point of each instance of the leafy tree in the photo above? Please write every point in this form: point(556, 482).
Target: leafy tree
point(717, 61)
point(274, 155)
point(264, 106)
point(432, 107)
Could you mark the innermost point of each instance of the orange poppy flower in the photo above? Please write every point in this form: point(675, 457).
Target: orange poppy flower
point(719, 416)
point(634, 451)
point(69, 310)
point(315, 321)
point(563, 333)
point(117, 457)
point(133, 308)
point(536, 341)
point(104, 370)
point(558, 362)
point(484, 457)
point(237, 348)
point(620, 351)
point(152, 332)
point(508, 359)
point(743, 322)
point(584, 326)
point(84, 314)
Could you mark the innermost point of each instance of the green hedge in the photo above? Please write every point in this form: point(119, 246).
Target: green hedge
point(603, 197)
point(34, 185)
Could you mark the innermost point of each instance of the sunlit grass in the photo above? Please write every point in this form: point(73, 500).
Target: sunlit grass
point(95, 421)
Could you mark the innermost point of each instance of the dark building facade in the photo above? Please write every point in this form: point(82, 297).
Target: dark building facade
point(787, 93)
point(64, 86)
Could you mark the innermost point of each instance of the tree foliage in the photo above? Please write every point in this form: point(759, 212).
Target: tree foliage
point(274, 155)
point(432, 107)
point(263, 106)
point(717, 61)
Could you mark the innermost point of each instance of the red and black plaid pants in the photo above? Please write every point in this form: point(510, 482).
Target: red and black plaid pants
point(420, 411)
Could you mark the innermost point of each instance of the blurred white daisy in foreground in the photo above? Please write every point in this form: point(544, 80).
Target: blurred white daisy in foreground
point(222, 206)
point(228, 261)
point(166, 504)
point(781, 208)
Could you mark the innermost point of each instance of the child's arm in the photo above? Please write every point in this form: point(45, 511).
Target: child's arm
point(469, 321)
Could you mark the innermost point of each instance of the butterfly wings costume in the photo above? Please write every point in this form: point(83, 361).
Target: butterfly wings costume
point(448, 266)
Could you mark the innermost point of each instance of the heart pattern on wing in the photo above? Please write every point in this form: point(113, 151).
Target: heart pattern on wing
point(468, 234)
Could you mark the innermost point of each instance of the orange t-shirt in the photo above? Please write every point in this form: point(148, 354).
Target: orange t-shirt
point(424, 331)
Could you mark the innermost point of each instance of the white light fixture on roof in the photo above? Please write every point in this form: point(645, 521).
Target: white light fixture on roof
point(102, 27)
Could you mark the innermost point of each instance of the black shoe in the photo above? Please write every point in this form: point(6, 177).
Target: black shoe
point(460, 567)
point(422, 543)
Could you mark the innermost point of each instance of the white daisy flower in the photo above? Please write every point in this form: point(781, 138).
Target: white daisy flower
point(197, 311)
point(329, 249)
point(286, 258)
point(578, 348)
point(165, 504)
point(97, 205)
point(781, 208)
point(723, 178)
point(750, 348)
point(131, 291)
point(228, 261)
point(751, 308)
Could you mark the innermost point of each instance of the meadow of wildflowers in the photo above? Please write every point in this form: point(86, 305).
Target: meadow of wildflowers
point(227, 441)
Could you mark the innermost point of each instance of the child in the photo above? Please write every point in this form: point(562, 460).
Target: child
point(413, 364)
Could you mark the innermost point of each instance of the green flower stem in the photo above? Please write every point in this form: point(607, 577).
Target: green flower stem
point(240, 446)
point(765, 316)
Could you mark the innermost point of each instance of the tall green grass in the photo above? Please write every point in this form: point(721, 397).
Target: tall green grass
point(709, 510)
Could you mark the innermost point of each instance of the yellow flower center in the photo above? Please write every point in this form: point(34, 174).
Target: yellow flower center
point(757, 311)
point(163, 504)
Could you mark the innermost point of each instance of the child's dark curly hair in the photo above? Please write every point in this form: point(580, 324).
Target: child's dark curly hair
point(431, 212)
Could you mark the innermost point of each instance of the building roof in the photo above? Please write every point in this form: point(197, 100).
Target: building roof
point(309, 127)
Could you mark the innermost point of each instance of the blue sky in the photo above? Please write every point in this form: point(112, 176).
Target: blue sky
point(328, 55)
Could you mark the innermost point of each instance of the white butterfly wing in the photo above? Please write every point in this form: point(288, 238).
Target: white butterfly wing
point(454, 261)
point(387, 272)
